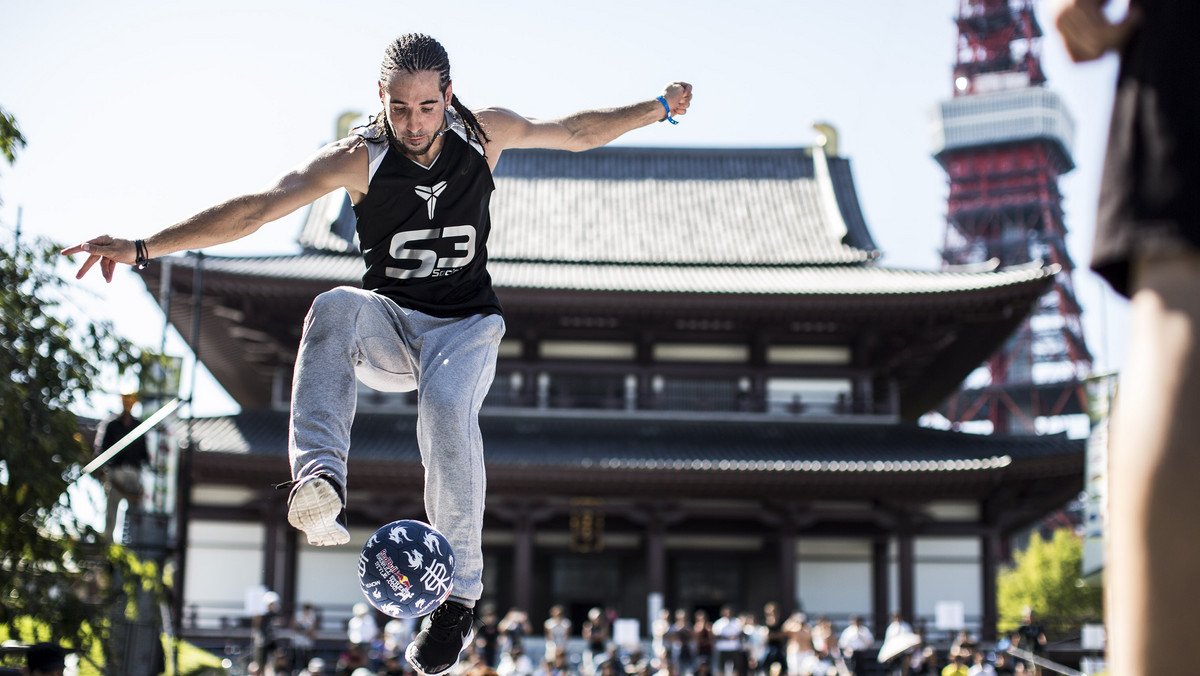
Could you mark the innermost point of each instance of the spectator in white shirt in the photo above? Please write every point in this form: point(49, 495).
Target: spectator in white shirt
point(727, 634)
point(855, 640)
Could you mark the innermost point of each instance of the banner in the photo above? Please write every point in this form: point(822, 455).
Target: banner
point(1102, 391)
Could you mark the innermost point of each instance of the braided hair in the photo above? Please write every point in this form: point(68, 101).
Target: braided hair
point(414, 53)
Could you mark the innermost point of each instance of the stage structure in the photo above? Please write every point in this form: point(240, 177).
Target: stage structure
point(1004, 139)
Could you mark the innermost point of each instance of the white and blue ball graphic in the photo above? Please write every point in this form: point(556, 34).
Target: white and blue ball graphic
point(406, 569)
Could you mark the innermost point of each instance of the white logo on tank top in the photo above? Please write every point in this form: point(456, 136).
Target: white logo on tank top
point(430, 195)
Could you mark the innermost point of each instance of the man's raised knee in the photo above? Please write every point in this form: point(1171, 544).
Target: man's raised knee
point(338, 300)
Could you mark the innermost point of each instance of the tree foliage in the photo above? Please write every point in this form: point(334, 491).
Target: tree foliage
point(54, 567)
point(1046, 577)
point(10, 137)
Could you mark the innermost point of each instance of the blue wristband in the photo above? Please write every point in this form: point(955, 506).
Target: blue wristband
point(670, 119)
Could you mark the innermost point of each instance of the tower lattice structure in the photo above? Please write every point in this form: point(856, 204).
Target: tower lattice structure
point(1003, 140)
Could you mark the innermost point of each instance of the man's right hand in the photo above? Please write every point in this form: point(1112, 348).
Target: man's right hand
point(1087, 32)
point(105, 250)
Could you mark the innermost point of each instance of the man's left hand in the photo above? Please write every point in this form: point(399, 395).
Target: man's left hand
point(678, 96)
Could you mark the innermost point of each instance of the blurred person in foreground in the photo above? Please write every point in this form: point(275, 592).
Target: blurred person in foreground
point(1147, 246)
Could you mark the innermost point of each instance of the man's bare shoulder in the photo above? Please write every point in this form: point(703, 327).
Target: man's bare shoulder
point(500, 123)
point(345, 152)
point(342, 163)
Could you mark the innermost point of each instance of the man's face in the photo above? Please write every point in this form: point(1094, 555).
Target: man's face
point(416, 110)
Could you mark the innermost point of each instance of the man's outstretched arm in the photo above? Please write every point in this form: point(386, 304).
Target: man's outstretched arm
point(582, 130)
point(337, 165)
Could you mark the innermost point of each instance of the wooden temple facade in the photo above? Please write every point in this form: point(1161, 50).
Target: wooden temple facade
point(707, 394)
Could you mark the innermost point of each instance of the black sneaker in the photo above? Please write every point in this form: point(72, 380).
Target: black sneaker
point(316, 506)
point(436, 649)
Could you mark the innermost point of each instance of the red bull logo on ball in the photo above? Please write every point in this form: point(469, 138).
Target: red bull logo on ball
point(384, 564)
point(391, 574)
point(399, 582)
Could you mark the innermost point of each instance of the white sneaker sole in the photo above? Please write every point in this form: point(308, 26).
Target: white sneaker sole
point(315, 508)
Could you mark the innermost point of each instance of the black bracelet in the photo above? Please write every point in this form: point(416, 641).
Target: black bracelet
point(142, 253)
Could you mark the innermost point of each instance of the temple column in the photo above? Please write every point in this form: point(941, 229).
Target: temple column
point(656, 557)
point(879, 584)
point(787, 569)
point(289, 560)
point(906, 569)
point(272, 546)
point(656, 567)
point(522, 560)
point(989, 553)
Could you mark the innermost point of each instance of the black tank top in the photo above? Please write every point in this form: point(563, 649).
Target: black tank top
point(423, 231)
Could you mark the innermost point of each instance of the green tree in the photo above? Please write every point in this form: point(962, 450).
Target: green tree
point(1046, 577)
point(54, 568)
point(10, 137)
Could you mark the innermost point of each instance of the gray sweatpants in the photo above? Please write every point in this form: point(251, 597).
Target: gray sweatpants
point(353, 333)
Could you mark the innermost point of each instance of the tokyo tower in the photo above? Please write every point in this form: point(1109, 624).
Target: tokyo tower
point(1003, 140)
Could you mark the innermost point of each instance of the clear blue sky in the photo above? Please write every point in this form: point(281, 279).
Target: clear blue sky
point(141, 113)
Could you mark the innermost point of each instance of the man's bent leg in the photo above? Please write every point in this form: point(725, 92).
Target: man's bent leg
point(457, 364)
point(347, 330)
point(1154, 462)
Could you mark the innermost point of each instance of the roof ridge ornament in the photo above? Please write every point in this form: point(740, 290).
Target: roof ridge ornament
point(827, 138)
point(826, 147)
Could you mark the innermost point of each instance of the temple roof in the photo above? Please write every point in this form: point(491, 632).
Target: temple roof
point(676, 440)
point(676, 448)
point(806, 281)
point(774, 236)
point(727, 222)
point(781, 206)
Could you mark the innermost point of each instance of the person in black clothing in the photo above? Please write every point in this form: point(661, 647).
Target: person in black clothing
point(264, 629)
point(776, 654)
point(123, 473)
point(1030, 636)
point(1147, 247)
point(487, 638)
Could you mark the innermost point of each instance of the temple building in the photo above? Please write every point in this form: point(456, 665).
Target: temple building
point(708, 394)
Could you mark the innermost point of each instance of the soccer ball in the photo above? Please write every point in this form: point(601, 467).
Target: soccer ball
point(406, 569)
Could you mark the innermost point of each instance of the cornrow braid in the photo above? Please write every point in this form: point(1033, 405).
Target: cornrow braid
point(414, 53)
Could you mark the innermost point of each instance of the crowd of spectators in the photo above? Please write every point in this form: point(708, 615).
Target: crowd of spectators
point(682, 643)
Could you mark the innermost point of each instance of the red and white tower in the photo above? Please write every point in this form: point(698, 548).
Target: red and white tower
point(1004, 139)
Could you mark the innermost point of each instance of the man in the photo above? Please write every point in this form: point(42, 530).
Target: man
point(305, 624)
point(728, 642)
point(980, 667)
point(957, 666)
point(420, 179)
point(316, 667)
point(776, 638)
point(596, 632)
point(123, 473)
point(1147, 246)
point(263, 628)
point(897, 626)
point(1030, 636)
point(899, 633)
point(854, 641)
point(46, 659)
point(557, 631)
point(362, 628)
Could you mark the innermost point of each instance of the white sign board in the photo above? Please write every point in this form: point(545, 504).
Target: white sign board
point(255, 604)
point(949, 615)
point(627, 633)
